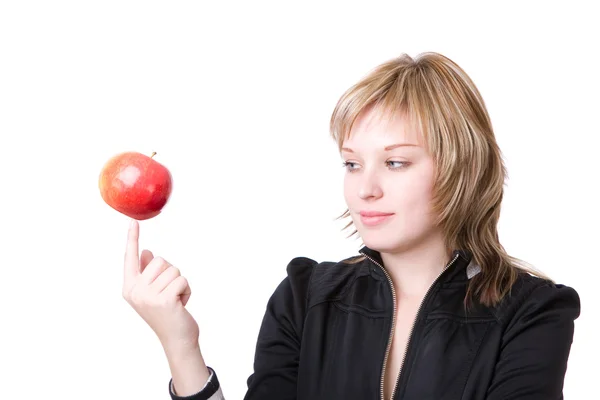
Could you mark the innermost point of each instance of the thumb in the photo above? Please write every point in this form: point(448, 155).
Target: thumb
point(185, 296)
point(145, 259)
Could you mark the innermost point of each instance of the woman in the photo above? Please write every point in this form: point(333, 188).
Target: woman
point(433, 307)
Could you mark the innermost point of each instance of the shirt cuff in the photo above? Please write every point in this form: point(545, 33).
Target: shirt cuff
point(210, 391)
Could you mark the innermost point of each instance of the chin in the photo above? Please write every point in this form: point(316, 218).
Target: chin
point(380, 241)
point(385, 242)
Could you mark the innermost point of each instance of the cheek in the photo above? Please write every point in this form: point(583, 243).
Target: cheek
point(349, 189)
point(414, 197)
point(422, 189)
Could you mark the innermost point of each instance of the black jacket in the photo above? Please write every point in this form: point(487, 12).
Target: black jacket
point(326, 331)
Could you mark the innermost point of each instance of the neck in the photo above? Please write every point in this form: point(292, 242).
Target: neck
point(414, 270)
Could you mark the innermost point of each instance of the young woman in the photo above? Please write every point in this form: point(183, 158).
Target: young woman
point(433, 307)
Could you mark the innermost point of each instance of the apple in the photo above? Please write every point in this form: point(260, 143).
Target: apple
point(135, 185)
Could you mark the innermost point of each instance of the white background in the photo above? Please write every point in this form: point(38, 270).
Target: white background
point(235, 97)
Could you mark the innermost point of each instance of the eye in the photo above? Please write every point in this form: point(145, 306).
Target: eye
point(350, 166)
point(394, 165)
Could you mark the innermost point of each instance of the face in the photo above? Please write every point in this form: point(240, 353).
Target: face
point(388, 184)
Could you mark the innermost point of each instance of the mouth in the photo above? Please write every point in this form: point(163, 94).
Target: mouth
point(373, 218)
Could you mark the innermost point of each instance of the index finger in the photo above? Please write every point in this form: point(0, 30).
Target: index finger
point(132, 265)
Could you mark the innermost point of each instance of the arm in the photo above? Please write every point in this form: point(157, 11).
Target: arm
point(159, 293)
point(536, 346)
point(277, 349)
point(278, 346)
point(192, 378)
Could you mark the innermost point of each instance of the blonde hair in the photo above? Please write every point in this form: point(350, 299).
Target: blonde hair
point(443, 104)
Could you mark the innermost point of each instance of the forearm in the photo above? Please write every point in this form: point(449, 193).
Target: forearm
point(188, 370)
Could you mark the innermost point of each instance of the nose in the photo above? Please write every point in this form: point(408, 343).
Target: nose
point(369, 188)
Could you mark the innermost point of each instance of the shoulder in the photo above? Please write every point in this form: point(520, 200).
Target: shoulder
point(533, 297)
point(309, 277)
point(290, 300)
point(299, 271)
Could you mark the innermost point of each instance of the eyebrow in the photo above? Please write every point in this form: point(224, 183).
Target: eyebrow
point(387, 148)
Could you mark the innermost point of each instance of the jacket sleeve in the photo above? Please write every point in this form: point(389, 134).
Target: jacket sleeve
point(536, 346)
point(278, 346)
point(210, 391)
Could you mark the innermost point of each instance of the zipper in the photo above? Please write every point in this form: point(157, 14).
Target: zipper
point(389, 344)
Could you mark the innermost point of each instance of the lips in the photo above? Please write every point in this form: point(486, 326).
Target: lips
point(373, 218)
point(370, 214)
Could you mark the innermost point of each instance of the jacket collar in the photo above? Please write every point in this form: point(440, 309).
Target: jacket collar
point(463, 267)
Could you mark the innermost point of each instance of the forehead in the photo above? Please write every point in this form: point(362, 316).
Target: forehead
point(374, 128)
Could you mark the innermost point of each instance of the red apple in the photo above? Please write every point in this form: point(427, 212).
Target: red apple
point(135, 185)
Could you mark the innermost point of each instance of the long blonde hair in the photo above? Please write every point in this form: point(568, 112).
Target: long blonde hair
point(443, 104)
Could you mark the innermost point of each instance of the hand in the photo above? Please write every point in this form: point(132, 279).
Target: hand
point(158, 293)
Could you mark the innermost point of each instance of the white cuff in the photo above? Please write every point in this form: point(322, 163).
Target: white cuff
point(218, 394)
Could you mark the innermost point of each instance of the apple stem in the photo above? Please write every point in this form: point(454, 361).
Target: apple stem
point(153, 154)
